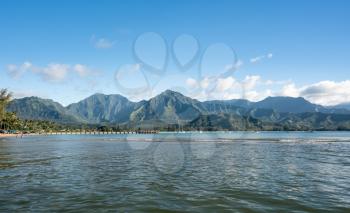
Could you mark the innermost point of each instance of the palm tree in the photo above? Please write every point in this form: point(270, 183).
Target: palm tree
point(5, 98)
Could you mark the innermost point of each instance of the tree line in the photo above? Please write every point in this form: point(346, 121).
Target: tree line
point(10, 123)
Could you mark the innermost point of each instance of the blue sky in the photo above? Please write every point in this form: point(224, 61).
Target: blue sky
point(68, 50)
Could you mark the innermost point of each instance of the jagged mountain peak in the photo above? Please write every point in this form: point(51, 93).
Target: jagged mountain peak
point(168, 107)
point(101, 95)
point(171, 94)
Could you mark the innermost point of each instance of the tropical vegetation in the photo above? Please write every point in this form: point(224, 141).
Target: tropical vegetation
point(168, 111)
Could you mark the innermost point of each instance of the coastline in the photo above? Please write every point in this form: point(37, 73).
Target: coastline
point(4, 135)
point(9, 135)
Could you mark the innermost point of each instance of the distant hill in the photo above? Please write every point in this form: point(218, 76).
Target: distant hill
point(173, 108)
point(103, 108)
point(279, 104)
point(168, 107)
point(41, 109)
point(287, 104)
point(343, 106)
point(222, 121)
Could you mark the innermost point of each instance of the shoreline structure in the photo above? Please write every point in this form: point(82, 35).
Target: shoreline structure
point(80, 133)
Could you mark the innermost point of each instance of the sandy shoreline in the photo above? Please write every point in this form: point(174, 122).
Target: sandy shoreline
point(9, 135)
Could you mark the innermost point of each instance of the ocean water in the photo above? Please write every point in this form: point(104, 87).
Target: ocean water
point(177, 172)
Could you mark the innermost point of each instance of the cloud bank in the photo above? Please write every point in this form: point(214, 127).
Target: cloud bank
point(53, 72)
point(254, 88)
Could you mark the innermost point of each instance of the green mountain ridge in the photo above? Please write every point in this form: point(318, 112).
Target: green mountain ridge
point(34, 108)
point(172, 108)
point(103, 108)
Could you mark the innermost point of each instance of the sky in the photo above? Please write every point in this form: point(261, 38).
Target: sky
point(68, 50)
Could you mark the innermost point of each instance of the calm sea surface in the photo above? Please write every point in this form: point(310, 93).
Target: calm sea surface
point(177, 172)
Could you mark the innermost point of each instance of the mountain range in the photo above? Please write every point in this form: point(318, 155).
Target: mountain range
point(173, 108)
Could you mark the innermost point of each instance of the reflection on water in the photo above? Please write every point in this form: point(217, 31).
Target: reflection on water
point(191, 172)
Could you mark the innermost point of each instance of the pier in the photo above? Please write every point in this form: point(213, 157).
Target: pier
point(99, 132)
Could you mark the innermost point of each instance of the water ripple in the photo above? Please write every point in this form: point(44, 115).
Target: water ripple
point(80, 174)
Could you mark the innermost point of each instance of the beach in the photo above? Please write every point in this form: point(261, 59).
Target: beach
point(8, 135)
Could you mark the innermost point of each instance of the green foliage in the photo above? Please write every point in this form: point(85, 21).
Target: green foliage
point(5, 98)
point(30, 108)
point(170, 111)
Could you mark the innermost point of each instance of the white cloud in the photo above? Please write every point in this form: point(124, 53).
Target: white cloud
point(16, 71)
point(250, 81)
point(261, 57)
point(290, 90)
point(192, 83)
point(327, 92)
point(205, 83)
point(230, 96)
point(215, 88)
point(269, 82)
point(235, 66)
point(254, 88)
point(53, 72)
point(224, 84)
point(256, 59)
point(252, 95)
point(273, 82)
point(219, 84)
point(102, 43)
point(82, 70)
point(128, 70)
